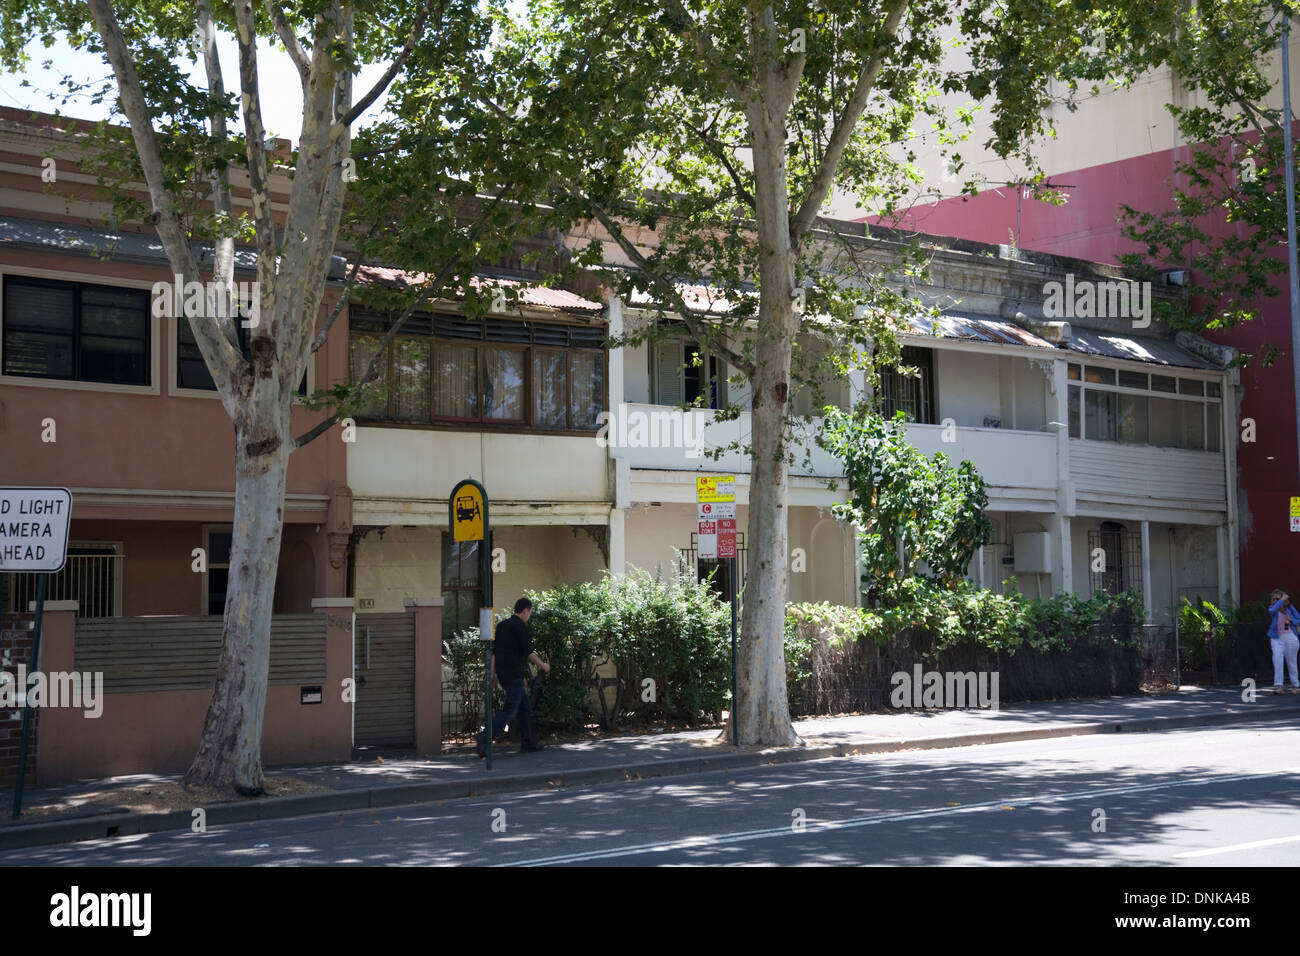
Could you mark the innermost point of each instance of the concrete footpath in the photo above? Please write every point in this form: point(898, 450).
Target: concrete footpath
point(361, 785)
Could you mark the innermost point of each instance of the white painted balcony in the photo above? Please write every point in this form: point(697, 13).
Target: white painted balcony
point(1005, 458)
point(663, 438)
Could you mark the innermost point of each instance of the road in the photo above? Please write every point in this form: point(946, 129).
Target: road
point(1219, 797)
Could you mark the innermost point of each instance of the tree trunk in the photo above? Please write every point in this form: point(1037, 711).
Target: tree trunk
point(763, 708)
point(230, 752)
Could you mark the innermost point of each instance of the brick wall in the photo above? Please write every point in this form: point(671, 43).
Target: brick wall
point(15, 648)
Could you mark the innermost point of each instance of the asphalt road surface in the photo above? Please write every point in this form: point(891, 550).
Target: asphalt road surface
point(1217, 797)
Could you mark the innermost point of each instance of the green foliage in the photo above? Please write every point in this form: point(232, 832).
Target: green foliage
point(1202, 631)
point(1225, 218)
point(935, 510)
point(967, 614)
point(571, 627)
point(672, 629)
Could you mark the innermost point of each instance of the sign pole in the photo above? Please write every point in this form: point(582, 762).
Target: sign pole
point(467, 517)
point(485, 632)
point(41, 583)
point(735, 726)
point(715, 497)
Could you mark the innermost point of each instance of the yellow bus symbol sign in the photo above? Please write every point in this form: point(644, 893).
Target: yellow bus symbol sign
point(467, 512)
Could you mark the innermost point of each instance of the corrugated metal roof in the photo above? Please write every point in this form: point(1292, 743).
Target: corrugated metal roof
point(1134, 348)
point(701, 298)
point(539, 296)
point(146, 248)
point(977, 328)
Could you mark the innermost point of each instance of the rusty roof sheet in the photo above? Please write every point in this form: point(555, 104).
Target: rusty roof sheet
point(537, 296)
point(977, 328)
point(1134, 348)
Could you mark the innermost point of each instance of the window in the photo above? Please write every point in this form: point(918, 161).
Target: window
point(912, 395)
point(192, 371)
point(525, 374)
point(1121, 550)
point(462, 594)
point(683, 373)
point(76, 332)
point(218, 576)
point(1145, 409)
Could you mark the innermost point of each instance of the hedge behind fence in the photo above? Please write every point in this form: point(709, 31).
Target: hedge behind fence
point(674, 631)
point(841, 659)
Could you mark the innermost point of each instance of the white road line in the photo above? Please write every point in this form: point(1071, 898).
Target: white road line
point(854, 823)
point(1237, 846)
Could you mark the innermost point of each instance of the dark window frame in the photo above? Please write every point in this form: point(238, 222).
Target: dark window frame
point(426, 327)
point(451, 621)
point(78, 289)
point(244, 333)
point(888, 398)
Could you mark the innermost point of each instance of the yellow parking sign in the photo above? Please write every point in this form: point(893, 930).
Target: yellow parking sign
point(715, 488)
point(1295, 507)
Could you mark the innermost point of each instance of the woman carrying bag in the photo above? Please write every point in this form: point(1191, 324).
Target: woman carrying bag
point(1283, 631)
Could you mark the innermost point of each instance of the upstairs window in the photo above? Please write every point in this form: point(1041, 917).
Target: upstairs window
point(192, 371)
point(913, 395)
point(444, 368)
point(683, 373)
point(1138, 408)
point(75, 332)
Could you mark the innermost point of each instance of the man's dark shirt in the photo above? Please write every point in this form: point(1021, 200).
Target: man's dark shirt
point(513, 645)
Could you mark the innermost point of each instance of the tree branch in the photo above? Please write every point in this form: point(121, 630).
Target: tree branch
point(669, 290)
point(255, 134)
point(290, 41)
point(432, 286)
point(363, 104)
point(223, 247)
point(704, 47)
point(223, 359)
point(820, 186)
point(719, 150)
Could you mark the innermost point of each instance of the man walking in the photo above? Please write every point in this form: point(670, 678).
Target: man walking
point(513, 649)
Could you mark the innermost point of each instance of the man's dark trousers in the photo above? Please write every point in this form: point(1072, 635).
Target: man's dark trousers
point(518, 709)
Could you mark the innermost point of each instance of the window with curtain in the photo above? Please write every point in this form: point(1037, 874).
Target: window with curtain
point(503, 384)
point(542, 375)
point(456, 389)
point(587, 389)
point(550, 388)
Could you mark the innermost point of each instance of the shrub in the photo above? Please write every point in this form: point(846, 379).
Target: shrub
point(671, 629)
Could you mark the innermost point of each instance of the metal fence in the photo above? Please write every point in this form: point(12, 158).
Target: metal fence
point(92, 580)
point(1161, 658)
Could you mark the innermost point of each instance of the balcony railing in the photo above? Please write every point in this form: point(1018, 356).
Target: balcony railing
point(92, 580)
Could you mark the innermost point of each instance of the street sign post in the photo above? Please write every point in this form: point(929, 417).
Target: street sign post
point(715, 497)
point(34, 526)
point(467, 516)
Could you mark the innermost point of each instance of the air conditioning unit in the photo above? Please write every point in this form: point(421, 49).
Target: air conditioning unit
point(1033, 552)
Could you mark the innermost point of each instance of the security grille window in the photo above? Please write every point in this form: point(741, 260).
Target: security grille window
point(462, 594)
point(91, 577)
point(1114, 559)
point(684, 373)
point(1138, 408)
point(911, 394)
point(192, 371)
point(75, 331)
point(444, 368)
